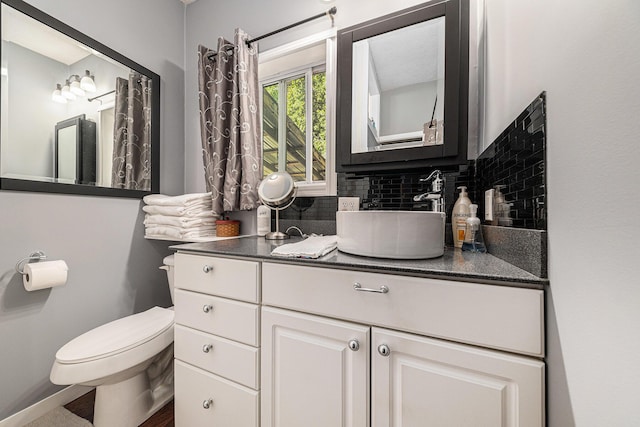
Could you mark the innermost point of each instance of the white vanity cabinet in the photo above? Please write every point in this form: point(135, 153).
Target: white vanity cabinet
point(217, 336)
point(416, 380)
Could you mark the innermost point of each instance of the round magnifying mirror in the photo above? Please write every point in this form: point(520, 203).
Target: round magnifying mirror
point(277, 192)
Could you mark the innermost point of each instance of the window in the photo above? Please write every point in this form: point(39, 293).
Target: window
point(298, 84)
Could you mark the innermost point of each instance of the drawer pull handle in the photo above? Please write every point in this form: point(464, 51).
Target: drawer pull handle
point(207, 268)
point(384, 350)
point(207, 403)
point(358, 287)
point(354, 345)
point(207, 308)
point(207, 348)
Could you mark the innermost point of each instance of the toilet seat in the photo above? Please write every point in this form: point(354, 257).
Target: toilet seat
point(115, 349)
point(117, 336)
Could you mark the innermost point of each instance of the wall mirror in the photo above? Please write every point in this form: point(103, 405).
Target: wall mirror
point(77, 117)
point(403, 89)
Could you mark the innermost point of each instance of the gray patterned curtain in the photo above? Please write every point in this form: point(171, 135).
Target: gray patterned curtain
point(230, 123)
point(132, 134)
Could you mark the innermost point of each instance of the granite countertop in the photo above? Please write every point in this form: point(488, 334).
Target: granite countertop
point(453, 265)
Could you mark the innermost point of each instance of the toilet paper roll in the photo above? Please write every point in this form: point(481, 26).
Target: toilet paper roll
point(44, 275)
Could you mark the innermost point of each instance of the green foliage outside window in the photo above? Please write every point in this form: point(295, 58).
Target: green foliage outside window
point(296, 115)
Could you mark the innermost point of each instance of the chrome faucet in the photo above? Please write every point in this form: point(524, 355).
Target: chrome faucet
point(436, 194)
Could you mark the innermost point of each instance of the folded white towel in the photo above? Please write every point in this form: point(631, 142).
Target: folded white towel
point(182, 200)
point(311, 247)
point(195, 211)
point(178, 221)
point(180, 233)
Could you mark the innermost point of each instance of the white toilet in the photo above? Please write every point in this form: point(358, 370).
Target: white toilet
point(129, 361)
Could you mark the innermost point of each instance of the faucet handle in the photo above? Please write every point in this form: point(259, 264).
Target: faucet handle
point(438, 180)
point(436, 173)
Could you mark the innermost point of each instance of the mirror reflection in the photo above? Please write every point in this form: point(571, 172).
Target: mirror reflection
point(398, 88)
point(70, 114)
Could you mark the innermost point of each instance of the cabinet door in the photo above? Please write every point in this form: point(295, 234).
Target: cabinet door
point(313, 372)
point(420, 381)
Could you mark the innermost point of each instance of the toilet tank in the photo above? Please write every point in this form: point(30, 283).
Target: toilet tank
point(169, 267)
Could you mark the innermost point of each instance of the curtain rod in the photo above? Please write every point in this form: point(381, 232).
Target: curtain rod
point(330, 13)
point(100, 96)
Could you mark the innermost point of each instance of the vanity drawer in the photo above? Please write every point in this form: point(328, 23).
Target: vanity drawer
point(499, 317)
point(204, 399)
point(224, 277)
point(229, 359)
point(238, 321)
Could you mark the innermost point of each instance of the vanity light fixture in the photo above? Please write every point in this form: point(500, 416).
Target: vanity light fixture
point(87, 83)
point(56, 96)
point(74, 87)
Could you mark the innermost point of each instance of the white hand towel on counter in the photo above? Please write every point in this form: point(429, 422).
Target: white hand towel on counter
point(182, 200)
point(178, 221)
point(311, 247)
point(194, 211)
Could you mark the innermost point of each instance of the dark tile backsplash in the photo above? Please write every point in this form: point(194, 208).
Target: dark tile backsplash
point(515, 161)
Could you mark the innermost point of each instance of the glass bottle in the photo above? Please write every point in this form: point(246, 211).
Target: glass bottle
point(473, 240)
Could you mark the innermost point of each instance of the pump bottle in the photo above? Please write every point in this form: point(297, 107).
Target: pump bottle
point(473, 240)
point(459, 215)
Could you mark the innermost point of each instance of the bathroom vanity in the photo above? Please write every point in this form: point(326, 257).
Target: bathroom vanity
point(355, 341)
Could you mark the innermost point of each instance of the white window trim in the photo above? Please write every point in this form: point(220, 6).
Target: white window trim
point(329, 186)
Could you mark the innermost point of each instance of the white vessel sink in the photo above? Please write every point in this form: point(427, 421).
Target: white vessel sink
point(391, 234)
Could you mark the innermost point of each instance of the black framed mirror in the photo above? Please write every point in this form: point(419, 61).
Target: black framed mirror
point(59, 87)
point(403, 84)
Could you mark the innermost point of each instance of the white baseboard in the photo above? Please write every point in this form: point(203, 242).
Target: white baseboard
point(40, 408)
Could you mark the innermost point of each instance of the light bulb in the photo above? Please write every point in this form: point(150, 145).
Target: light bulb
point(87, 84)
point(56, 96)
point(66, 92)
point(75, 87)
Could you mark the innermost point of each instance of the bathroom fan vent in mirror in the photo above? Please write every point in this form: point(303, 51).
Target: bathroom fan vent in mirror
point(277, 192)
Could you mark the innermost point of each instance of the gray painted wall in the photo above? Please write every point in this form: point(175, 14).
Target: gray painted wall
point(407, 108)
point(113, 270)
point(30, 147)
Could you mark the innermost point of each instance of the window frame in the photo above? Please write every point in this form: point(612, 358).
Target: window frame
point(328, 187)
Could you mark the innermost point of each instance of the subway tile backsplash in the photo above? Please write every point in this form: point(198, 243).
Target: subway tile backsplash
point(515, 161)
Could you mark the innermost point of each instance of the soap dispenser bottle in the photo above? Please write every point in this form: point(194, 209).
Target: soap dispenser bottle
point(473, 240)
point(459, 215)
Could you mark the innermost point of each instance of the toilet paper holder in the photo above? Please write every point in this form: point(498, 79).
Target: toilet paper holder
point(37, 255)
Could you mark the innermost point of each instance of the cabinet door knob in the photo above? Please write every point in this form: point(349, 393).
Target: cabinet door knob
point(383, 289)
point(354, 345)
point(207, 348)
point(384, 350)
point(207, 308)
point(207, 403)
point(207, 268)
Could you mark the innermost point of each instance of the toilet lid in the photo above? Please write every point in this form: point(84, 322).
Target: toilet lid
point(117, 336)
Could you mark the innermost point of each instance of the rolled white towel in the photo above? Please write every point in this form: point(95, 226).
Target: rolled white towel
point(182, 200)
point(179, 221)
point(194, 211)
point(311, 247)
